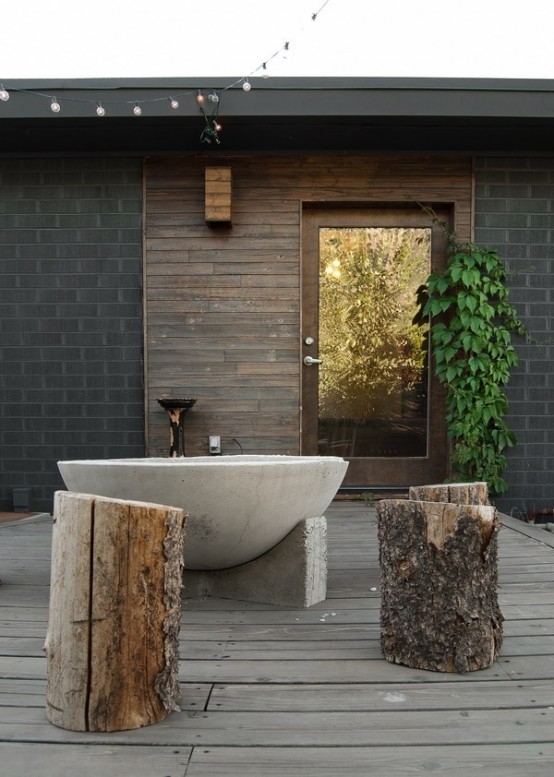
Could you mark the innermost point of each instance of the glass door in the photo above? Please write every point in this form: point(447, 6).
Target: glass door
point(368, 393)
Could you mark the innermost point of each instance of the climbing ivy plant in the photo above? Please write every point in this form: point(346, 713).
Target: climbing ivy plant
point(472, 322)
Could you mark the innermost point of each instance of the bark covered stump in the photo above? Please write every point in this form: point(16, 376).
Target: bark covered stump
point(114, 617)
point(439, 570)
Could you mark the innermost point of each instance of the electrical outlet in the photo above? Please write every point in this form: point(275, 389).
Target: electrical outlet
point(214, 445)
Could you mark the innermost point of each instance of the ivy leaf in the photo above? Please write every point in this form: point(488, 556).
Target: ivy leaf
point(456, 273)
point(475, 324)
point(441, 285)
point(470, 278)
point(467, 342)
point(450, 353)
point(471, 303)
point(474, 364)
point(451, 373)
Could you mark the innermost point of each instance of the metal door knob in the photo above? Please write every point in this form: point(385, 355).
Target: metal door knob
point(309, 360)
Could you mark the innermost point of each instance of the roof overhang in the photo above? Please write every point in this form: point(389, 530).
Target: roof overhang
point(281, 114)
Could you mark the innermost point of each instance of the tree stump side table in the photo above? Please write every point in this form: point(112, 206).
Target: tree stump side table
point(114, 618)
point(439, 565)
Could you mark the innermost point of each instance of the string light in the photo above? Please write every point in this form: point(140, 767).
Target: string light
point(213, 127)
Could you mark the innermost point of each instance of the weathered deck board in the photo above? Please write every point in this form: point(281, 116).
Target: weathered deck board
point(493, 760)
point(296, 729)
point(36, 760)
point(342, 650)
point(276, 691)
point(379, 696)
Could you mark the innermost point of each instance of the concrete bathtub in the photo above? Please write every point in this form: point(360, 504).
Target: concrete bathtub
point(239, 507)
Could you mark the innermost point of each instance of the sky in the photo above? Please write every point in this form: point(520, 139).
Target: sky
point(233, 38)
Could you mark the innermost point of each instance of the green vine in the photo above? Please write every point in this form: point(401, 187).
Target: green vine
point(472, 323)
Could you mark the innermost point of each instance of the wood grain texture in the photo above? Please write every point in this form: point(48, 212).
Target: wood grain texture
point(68, 638)
point(456, 493)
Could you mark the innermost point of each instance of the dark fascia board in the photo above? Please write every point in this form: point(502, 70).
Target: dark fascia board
point(286, 97)
point(154, 136)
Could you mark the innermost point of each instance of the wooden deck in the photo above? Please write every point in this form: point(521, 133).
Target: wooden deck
point(275, 692)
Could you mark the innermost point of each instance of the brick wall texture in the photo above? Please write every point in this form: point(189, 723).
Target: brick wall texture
point(71, 377)
point(514, 212)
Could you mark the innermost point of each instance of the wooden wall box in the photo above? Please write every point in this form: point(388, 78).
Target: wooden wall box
point(218, 195)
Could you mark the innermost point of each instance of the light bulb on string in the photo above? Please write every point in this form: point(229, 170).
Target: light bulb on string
point(100, 110)
point(200, 99)
point(137, 110)
point(265, 74)
point(174, 103)
point(4, 94)
point(213, 97)
point(55, 106)
point(247, 86)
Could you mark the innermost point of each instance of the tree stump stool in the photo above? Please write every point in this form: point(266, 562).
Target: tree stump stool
point(439, 607)
point(114, 618)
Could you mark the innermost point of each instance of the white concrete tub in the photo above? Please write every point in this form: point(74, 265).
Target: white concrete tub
point(239, 507)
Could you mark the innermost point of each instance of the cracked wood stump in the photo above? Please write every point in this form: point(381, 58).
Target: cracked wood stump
point(439, 607)
point(114, 618)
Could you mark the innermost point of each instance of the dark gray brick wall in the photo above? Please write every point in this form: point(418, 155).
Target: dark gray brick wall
point(70, 318)
point(514, 212)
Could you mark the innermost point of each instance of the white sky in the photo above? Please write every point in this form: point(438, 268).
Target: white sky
point(232, 38)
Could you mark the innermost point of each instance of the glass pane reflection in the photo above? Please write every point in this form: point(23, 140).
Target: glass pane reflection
point(373, 383)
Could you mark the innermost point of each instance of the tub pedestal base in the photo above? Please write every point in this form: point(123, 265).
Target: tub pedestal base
point(292, 574)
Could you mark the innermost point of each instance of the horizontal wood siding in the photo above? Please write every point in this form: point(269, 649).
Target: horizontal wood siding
point(222, 302)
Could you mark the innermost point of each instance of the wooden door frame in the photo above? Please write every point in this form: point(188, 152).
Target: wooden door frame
point(386, 471)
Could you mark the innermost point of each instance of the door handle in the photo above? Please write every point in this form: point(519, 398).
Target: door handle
point(309, 360)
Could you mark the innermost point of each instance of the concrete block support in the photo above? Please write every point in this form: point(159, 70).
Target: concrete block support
point(292, 574)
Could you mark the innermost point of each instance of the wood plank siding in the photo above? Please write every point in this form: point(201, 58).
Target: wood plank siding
point(222, 302)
